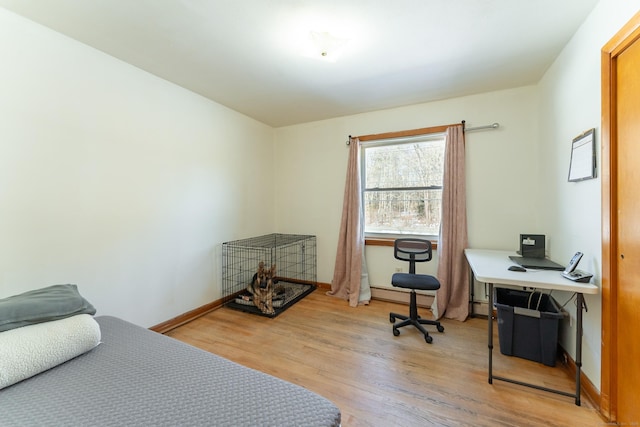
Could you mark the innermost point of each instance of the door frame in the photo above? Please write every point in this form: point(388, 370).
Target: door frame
point(626, 36)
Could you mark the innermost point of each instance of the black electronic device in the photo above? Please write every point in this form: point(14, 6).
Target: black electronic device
point(574, 274)
point(532, 245)
point(517, 268)
point(536, 263)
point(532, 249)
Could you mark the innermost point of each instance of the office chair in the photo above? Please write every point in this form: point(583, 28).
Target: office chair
point(413, 250)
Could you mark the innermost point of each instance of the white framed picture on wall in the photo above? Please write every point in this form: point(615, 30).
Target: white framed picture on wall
point(583, 157)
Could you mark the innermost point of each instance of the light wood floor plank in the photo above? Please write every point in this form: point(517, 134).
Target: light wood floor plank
point(350, 356)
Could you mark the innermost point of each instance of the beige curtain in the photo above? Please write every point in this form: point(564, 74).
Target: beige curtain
point(350, 278)
point(452, 299)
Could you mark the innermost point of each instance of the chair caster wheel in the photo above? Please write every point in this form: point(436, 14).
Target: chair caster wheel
point(440, 328)
point(392, 319)
point(396, 332)
point(428, 339)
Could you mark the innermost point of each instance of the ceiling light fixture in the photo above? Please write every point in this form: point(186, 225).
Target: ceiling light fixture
point(327, 46)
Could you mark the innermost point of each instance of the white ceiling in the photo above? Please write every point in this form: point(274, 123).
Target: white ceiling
point(245, 54)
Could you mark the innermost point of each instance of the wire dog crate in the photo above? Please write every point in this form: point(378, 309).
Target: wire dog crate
point(294, 257)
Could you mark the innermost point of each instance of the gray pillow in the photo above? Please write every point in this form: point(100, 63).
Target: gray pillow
point(42, 305)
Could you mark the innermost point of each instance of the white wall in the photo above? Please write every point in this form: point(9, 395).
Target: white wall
point(118, 181)
point(501, 165)
point(570, 104)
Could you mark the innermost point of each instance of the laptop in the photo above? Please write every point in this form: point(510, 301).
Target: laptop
point(532, 248)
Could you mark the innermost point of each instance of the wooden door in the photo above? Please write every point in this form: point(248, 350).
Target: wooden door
point(621, 226)
point(628, 178)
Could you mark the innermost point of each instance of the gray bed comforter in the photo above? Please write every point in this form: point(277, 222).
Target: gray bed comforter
point(137, 377)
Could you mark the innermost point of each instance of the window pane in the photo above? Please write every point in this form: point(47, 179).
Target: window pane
point(417, 164)
point(395, 177)
point(403, 212)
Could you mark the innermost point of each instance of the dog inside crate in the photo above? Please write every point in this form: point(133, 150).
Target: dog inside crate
point(250, 285)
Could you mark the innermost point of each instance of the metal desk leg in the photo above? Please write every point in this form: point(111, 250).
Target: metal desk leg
point(580, 300)
point(471, 293)
point(490, 320)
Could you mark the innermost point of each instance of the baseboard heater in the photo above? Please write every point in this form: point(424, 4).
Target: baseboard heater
point(401, 296)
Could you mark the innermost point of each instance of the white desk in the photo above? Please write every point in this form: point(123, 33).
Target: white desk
point(491, 267)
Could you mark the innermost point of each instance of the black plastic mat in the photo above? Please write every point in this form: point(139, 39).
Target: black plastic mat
point(293, 292)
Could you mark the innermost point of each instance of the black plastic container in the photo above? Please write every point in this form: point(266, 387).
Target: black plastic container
point(528, 325)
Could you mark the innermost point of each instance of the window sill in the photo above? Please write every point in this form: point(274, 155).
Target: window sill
point(388, 241)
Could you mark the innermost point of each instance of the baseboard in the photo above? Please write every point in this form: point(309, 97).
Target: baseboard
point(187, 317)
point(389, 294)
point(324, 286)
point(401, 296)
point(392, 295)
point(479, 309)
point(586, 386)
point(382, 294)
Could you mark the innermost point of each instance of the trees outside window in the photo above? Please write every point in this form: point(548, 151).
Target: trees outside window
point(402, 185)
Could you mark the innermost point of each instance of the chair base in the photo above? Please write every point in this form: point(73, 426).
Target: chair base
point(415, 320)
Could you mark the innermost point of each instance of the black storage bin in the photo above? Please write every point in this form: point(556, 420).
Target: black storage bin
point(528, 325)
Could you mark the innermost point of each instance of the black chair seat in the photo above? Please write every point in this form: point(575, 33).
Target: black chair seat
point(422, 282)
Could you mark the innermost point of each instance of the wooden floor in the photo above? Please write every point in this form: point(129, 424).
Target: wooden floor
point(350, 356)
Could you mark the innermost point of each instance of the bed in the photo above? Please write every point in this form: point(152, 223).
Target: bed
point(136, 377)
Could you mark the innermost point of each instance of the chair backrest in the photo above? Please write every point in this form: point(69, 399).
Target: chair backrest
point(412, 250)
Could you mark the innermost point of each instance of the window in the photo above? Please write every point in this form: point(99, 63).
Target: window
point(402, 185)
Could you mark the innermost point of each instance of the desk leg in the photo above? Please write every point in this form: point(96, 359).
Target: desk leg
point(471, 293)
point(580, 301)
point(490, 328)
